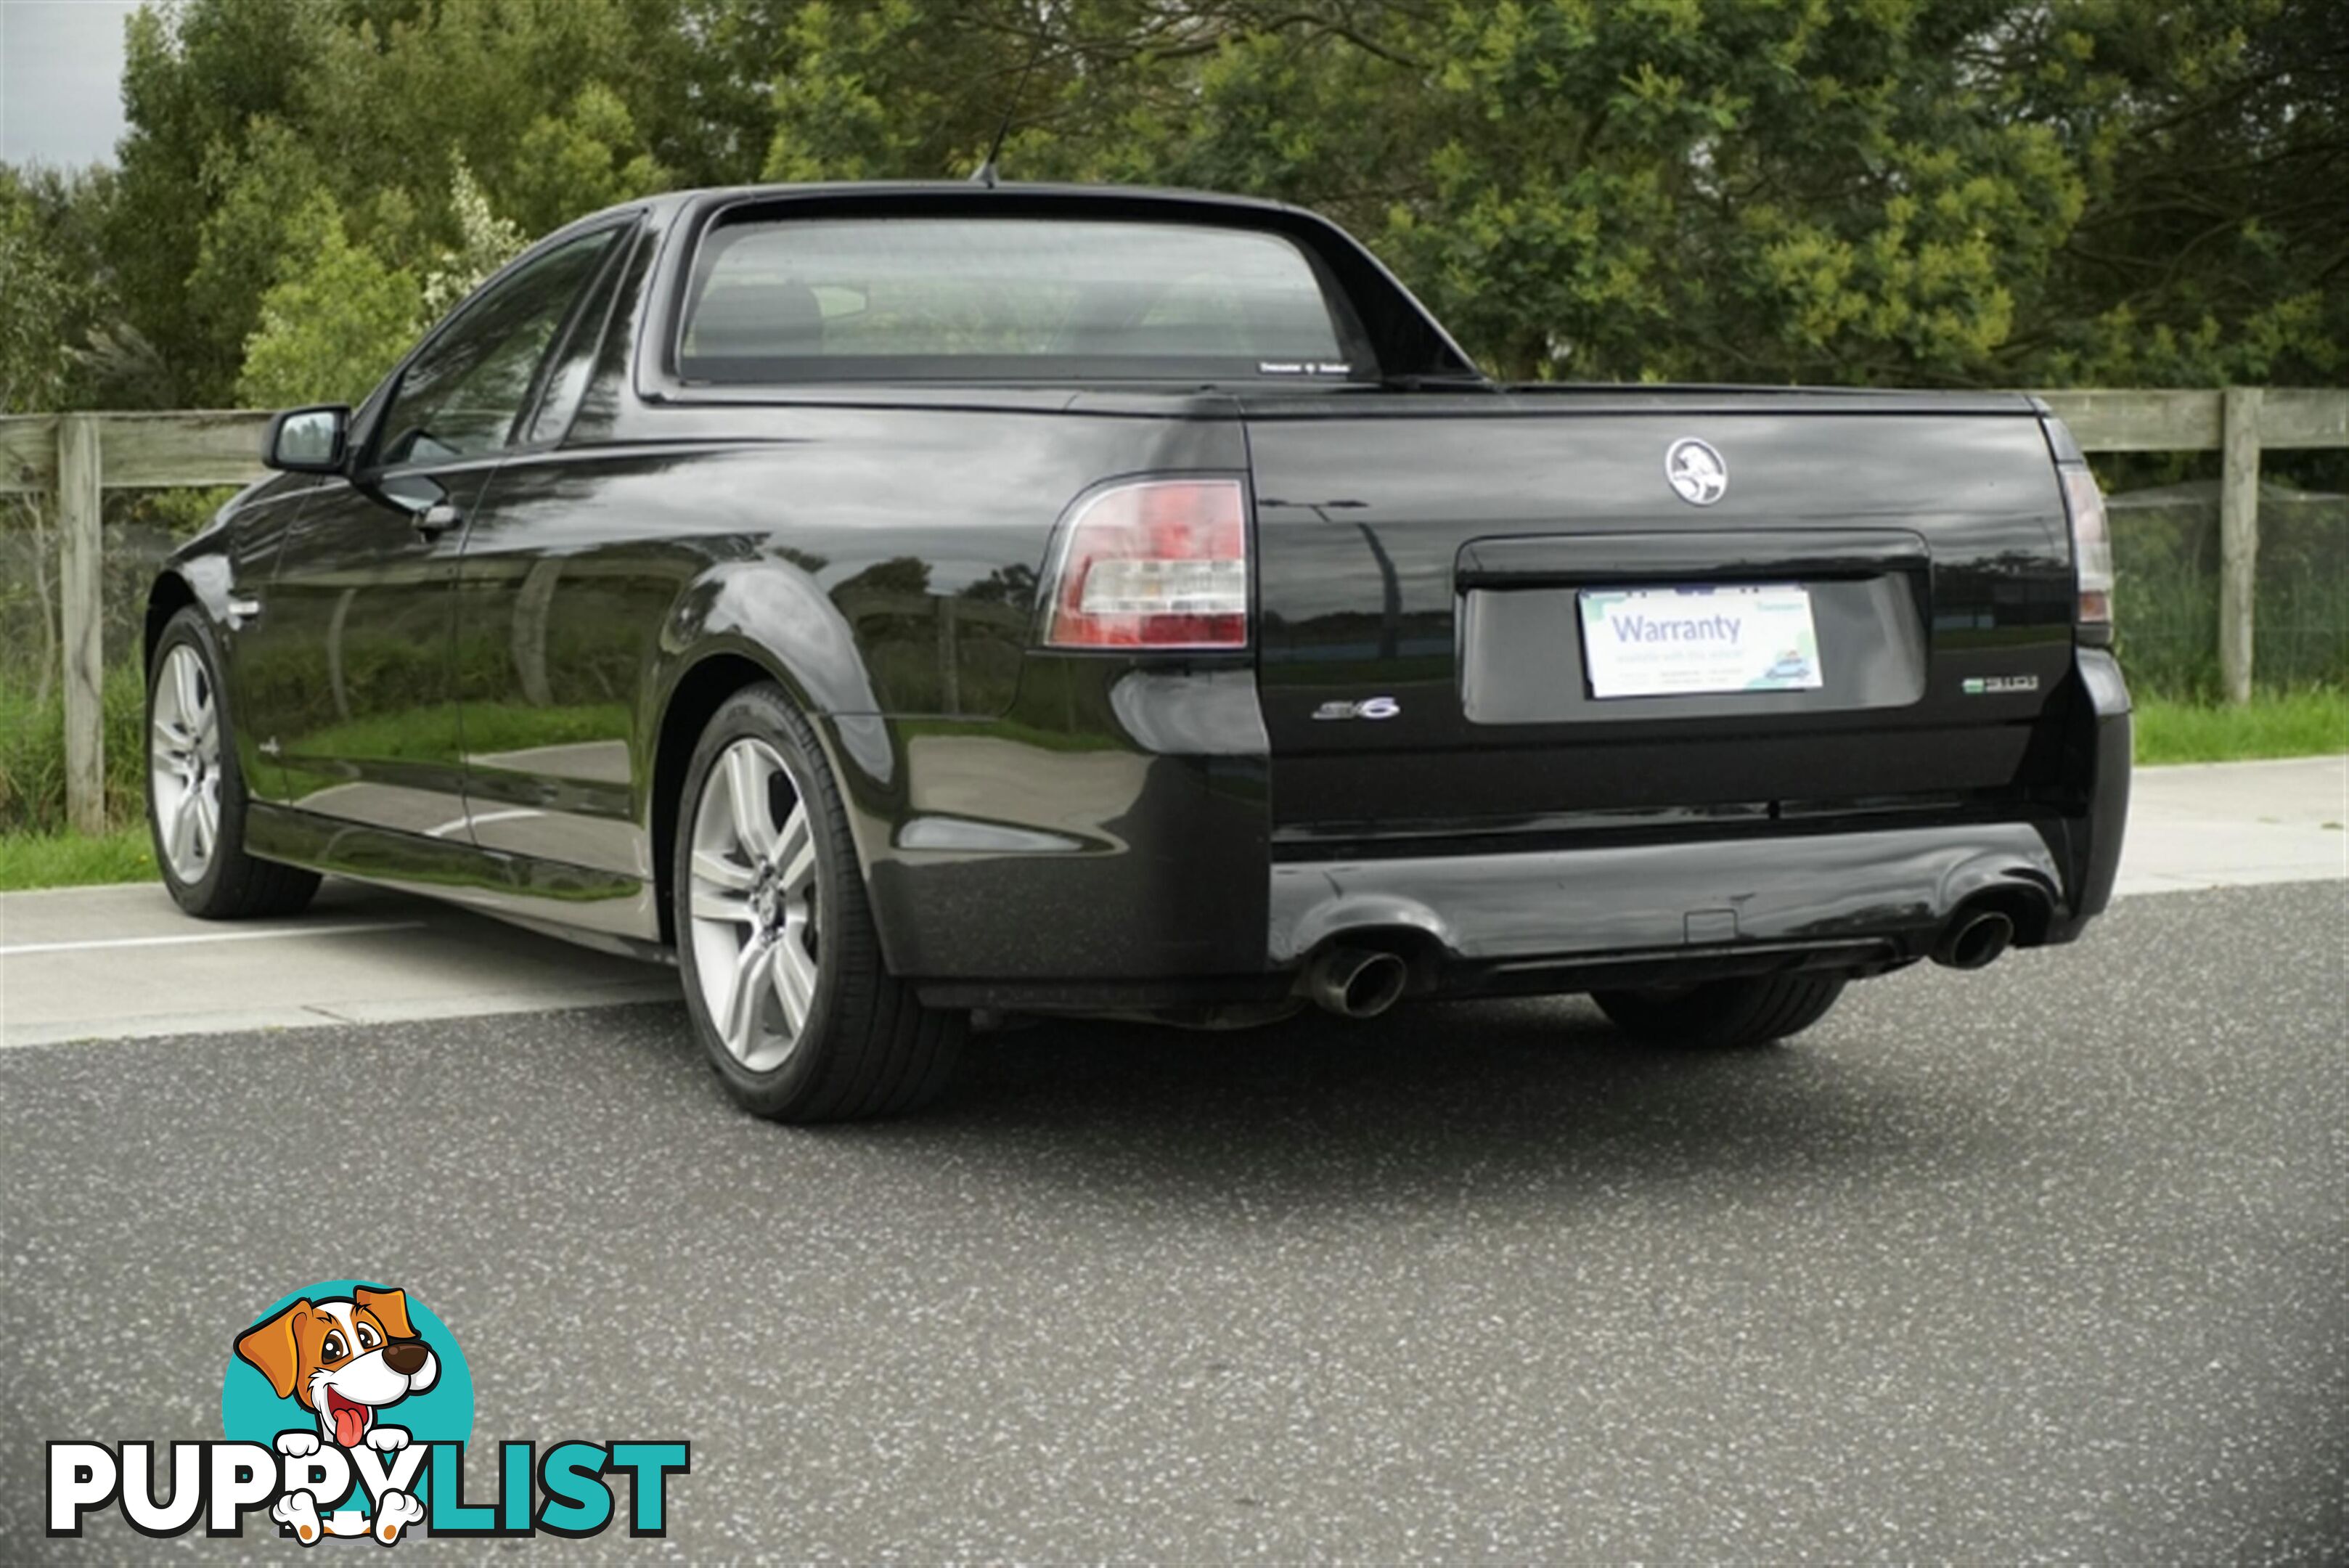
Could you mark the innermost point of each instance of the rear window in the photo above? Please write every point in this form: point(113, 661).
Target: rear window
point(816, 299)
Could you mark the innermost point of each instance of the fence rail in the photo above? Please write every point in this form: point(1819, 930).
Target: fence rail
point(78, 457)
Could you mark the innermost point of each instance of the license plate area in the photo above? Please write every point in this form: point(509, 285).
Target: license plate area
point(1669, 641)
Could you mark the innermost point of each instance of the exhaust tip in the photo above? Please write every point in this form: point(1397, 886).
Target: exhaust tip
point(1974, 940)
point(1356, 982)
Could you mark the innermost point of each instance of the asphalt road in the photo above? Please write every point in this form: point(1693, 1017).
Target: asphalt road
point(2050, 1262)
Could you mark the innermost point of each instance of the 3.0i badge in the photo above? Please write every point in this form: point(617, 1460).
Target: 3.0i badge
point(1992, 685)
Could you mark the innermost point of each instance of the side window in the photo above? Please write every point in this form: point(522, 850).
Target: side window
point(462, 396)
point(566, 383)
point(599, 405)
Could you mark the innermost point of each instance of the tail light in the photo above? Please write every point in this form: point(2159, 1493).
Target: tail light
point(2092, 546)
point(1158, 564)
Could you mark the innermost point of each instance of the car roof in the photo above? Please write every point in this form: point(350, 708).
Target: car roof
point(727, 195)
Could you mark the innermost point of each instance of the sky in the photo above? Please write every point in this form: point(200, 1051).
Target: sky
point(61, 80)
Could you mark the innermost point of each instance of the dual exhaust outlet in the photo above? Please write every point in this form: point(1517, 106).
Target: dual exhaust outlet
point(1362, 982)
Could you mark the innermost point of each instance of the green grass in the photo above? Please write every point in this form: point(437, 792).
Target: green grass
point(69, 860)
point(2273, 724)
point(33, 754)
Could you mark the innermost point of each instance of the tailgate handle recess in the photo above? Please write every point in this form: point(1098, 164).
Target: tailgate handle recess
point(1809, 553)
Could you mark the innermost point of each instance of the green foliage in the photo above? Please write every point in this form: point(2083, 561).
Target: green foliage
point(32, 362)
point(1896, 192)
point(33, 754)
point(53, 297)
point(588, 156)
point(334, 322)
point(485, 242)
point(444, 137)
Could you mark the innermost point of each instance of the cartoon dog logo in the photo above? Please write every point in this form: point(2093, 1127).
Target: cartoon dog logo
point(345, 1358)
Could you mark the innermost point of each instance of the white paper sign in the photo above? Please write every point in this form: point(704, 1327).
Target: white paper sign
point(1653, 642)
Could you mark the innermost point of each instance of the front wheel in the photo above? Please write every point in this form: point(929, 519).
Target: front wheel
point(195, 794)
point(783, 972)
point(1722, 1014)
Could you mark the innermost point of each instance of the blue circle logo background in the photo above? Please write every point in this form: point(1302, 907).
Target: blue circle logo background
point(250, 1411)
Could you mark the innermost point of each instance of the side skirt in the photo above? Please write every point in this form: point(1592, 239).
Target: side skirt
point(601, 909)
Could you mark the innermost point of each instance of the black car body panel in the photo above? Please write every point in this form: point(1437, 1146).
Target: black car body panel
point(498, 711)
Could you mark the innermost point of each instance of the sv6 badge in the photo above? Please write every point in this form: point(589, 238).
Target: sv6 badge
point(1368, 708)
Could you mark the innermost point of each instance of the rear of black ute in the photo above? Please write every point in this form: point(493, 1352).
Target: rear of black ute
point(1454, 776)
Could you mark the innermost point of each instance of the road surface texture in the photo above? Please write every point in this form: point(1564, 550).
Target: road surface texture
point(2050, 1262)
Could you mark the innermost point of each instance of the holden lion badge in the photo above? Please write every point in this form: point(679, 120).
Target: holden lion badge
point(1696, 471)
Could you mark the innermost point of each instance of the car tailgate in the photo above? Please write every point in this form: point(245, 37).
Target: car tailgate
point(1426, 563)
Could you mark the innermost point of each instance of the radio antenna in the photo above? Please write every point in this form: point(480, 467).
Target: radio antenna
point(984, 174)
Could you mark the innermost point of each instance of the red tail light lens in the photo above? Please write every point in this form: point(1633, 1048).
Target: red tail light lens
point(1160, 563)
point(2092, 546)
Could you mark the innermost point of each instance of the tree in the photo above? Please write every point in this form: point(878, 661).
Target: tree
point(2214, 246)
point(485, 242)
point(241, 110)
point(1939, 191)
point(334, 322)
point(35, 362)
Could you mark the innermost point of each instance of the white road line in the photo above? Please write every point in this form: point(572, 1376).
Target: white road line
point(22, 947)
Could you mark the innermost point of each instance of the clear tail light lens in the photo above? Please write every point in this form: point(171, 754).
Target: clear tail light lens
point(2092, 546)
point(1159, 563)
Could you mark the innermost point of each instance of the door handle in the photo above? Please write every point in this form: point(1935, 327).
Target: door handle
point(436, 520)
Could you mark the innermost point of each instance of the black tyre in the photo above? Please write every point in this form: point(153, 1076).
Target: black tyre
point(1722, 1014)
point(783, 972)
point(195, 791)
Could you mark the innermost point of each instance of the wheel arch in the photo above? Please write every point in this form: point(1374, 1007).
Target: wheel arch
point(167, 596)
point(688, 698)
point(200, 580)
point(736, 623)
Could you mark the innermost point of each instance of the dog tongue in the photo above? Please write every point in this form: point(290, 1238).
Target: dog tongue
point(350, 1425)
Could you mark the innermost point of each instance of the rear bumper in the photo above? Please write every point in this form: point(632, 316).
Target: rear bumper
point(2100, 743)
point(1895, 889)
point(1165, 889)
point(1892, 890)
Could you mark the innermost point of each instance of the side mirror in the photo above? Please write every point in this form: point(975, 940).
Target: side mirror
point(308, 441)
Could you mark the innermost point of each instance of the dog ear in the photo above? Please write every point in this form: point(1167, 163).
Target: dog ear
point(390, 1308)
point(269, 1347)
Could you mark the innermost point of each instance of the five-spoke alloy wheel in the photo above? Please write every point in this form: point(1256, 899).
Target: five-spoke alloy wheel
point(184, 764)
point(756, 932)
point(196, 797)
point(783, 971)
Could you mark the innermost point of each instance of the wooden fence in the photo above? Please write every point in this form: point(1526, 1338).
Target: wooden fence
point(78, 457)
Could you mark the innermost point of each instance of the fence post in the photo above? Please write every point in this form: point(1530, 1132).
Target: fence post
point(79, 516)
point(2238, 537)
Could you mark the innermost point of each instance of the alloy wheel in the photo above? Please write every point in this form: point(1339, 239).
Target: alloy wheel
point(184, 762)
point(753, 904)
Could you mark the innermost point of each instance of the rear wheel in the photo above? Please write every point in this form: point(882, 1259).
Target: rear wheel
point(1722, 1014)
point(783, 973)
point(195, 794)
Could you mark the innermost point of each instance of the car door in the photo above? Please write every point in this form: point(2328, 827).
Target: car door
point(354, 683)
point(555, 610)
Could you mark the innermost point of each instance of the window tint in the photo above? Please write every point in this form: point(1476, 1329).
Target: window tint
point(599, 406)
point(564, 384)
point(956, 296)
point(462, 396)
